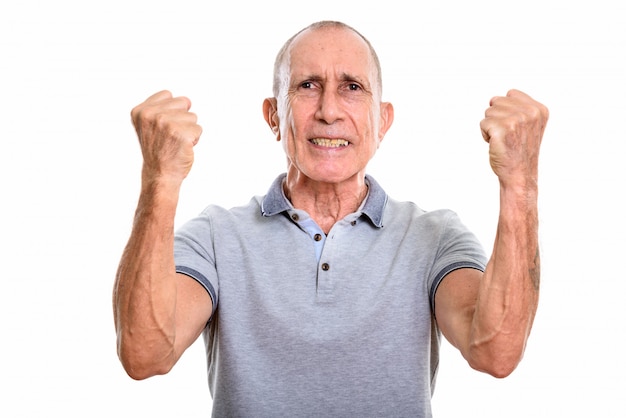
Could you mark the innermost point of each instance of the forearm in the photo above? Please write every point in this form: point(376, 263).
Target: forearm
point(145, 290)
point(509, 292)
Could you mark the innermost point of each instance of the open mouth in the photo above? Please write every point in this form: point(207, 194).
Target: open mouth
point(330, 143)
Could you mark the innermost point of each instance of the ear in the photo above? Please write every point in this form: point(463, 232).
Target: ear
point(270, 113)
point(386, 119)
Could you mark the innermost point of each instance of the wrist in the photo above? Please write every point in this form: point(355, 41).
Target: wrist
point(156, 179)
point(526, 187)
point(518, 203)
point(159, 192)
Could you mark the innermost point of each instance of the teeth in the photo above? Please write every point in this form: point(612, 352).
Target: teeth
point(333, 143)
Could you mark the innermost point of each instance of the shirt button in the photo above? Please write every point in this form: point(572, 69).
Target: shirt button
point(295, 217)
point(353, 223)
point(325, 267)
point(317, 237)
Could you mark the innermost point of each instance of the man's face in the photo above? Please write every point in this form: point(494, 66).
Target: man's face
point(330, 118)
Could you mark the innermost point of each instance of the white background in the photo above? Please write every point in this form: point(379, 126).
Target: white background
point(70, 72)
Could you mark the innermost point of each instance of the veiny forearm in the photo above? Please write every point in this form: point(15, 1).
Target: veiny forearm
point(144, 298)
point(509, 292)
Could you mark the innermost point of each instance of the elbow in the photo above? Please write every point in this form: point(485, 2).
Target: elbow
point(497, 362)
point(498, 368)
point(140, 363)
point(140, 371)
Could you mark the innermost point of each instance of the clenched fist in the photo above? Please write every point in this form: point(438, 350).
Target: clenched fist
point(513, 126)
point(167, 133)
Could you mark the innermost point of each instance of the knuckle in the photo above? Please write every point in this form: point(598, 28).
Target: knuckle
point(511, 124)
point(161, 120)
point(545, 112)
point(534, 112)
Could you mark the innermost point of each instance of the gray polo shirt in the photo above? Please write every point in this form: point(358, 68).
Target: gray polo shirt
point(306, 324)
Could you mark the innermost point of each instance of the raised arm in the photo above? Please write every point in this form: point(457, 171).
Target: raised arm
point(488, 317)
point(158, 314)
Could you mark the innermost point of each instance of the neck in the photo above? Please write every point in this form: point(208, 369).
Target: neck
point(326, 203)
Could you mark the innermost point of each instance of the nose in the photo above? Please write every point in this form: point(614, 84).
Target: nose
point(329, 108)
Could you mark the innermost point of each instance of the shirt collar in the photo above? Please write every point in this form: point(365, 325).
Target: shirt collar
point(276, 202)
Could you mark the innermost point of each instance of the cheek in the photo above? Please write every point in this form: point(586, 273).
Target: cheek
point(293, 132)
point(290, 144)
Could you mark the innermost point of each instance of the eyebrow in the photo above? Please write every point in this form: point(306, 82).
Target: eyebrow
point(348, 77)
point(343, 77)
point(365, 84)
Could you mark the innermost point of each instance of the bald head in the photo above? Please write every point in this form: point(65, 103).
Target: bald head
point(283, 59)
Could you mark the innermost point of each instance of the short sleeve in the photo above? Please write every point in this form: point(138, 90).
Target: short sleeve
point(194, 255)
point(457, 248)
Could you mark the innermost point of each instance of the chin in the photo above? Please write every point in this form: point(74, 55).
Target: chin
point(333, 177)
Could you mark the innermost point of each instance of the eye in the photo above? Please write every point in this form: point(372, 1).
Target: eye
point(306, 85)
point(354, 87)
